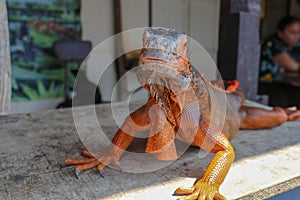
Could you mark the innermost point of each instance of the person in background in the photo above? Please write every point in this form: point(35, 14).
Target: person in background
point(279, 75)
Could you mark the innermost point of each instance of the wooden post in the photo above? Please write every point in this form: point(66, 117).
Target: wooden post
point(150, 13)
point(120, 62)
point(5, 64)
point(239, 44)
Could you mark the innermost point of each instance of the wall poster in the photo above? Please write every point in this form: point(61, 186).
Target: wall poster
point(34, 25)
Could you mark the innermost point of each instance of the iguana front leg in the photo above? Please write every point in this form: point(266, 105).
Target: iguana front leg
point(138, 120)
point(210, 138)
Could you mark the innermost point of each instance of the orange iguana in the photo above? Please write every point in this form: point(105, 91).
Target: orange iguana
point(179, 104)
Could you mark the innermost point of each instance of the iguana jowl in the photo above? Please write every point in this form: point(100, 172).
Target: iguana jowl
point(179, 108)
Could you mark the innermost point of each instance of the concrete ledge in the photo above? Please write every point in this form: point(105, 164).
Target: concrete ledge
point(33, 146)
point(273, 190)
point(256, 177)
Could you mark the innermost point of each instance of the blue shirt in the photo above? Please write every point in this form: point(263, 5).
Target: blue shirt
point(269, 70)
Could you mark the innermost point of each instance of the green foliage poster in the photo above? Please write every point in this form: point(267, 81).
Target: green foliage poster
point(34, 25)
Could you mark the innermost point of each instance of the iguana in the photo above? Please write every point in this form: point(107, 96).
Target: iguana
point(179, 104)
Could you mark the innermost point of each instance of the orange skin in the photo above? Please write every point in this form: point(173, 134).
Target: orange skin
point(176, 107)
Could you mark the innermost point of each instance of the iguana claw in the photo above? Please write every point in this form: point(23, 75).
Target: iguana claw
point(94, 160)
point(101, 172)
point(200, 191)
point(77, 173)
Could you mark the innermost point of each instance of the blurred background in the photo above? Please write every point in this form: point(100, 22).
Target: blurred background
point(38, 76)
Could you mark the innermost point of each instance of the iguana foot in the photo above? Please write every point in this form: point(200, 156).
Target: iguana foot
point(93, 160)
point(292, 113)
point(200, 191)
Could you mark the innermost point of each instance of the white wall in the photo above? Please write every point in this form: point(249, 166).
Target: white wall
point(199, 19)
point(171, 14)
point(134, 14)
point(97, 26)
point(34, 106)
point(204, 28)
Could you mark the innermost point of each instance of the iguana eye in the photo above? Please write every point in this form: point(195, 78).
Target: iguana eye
point(185, 81)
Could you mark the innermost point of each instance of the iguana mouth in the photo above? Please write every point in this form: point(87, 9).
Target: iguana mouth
point(160, 74)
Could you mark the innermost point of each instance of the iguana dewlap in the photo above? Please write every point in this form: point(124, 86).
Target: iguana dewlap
point(179, 107)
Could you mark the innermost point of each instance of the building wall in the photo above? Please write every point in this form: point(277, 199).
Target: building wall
point(295, 8)
point(97, 26)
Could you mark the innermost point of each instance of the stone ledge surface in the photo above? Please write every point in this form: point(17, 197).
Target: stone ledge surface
point(34, 146)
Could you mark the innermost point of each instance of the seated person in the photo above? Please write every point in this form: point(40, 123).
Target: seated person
point(279, 66)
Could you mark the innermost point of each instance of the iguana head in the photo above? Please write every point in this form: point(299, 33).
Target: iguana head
point(164, 66)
